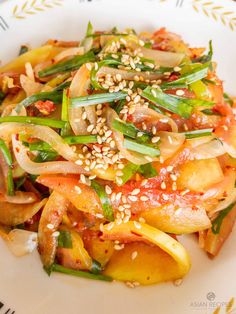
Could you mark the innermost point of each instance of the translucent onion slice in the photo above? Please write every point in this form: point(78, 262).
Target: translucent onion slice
point(20, 198)
point(69, 53)
point(43, 133)
point(231, 198)
point(16, 214)
point(50, 167)
point(154, 236)
point(170, 143)
point(22, 242)
point(152, 117)
point(128, 75)
point(135, 158)
point(79, 87)
point(29, 86)
point(208, 150)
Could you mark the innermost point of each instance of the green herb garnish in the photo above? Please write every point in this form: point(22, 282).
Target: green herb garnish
point(34, 120)
point(217, 222)
point(198, 133)
point(64, 239)
point(145, 149)
point(7, 156)
point(106, 203)
point(96, 99)
point(147, 171)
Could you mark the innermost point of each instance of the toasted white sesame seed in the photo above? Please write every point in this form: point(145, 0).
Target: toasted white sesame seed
point(173, 177)
point(77, 189)
point(179, 92)
point(82, 178)
point(84, 115)
point(177, 69)
point(184, 192)
point(79, 162)
point(169, 168)
point(153, 92)
point(92, 177)
point(88, 66)
point(96, 66)
point(132, 198)
point(134, 255)
point(165, 197)
point(50, 226)
point(144, 198)
point(118, 196)
point(108, 189)
point(110, 226)
point(155, 139)
point(137, 225)
point(56, 234)
point(119, 181)
point(142, 220)
point(99, 216)
point(135, 192)
point(164, 120)
point(163, 185)
point(90, 127)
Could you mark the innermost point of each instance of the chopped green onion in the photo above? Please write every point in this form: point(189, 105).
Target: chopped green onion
point(68, 65)
point(206, 58)
point(40, 146)
point(96, 267)
point(62, 86)
point(78, 273)
point(23, 49)
point(148, 171)
point(7, 156)
point(190, 77)
point(96, 99)
point(228, 99)
point(93, 74)
point(141, 148)
point(128, 171)
point(217, 222)
point(66, 130)
point(44, 156)
point(118, 106)
point(106, 203)
point(80, 139)
point(55, 96)
point(34, 120)
point(210, 112)
point(64, 239)
point(130, 130)
point(89, 30)
point(205, 80)
point(198, 133)
point(106, 34)
point(168, 102)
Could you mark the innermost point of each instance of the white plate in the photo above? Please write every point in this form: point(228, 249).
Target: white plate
point(24, 287)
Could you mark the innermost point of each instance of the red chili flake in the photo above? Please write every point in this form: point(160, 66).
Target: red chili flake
point(45, 107)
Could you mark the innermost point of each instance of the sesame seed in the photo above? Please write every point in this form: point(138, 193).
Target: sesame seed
point(155, 139)
point(101, 227)
point(154, 130)
point(137, 225)
point(79, 162)
point(88, 66)
point(77, 189)
point(169, 168)
point(179, 92)
point(99, 216)
point(167, 73)
point(135, 192)
point(184, 192)
point(119, 181)
point(134, 255)
point(161, 159)
point(165, 197)
point(96, 66)
point(163, 185)
point(177, 69)
point(126, 219)
point(92, 177)
point(142, 220)
point(118, 196)
point(173, 177)
point(153, 92)
point(164, 120)
point(50, 226)
point(132, 198)
point(108, 189)
point(82, 178)
point(110, 226)
point(174, 186)
point(56, 234)
point(170, 139)
point(90, 127)
point(144, 198)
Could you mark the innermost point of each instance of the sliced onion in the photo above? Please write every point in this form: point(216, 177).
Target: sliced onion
point(50, 167)
point(16, 214)
point(230, 149)
point(79, 87)
point(43, 133)
point(128, 75)
point(141, 113)
point(225, 187)
point(224, 204)
point(22, 242)
point(29, 86)
point(20, 198)
point(163, 58)
point(69, 53)
point(170, 143)
point(51, 216)
point(208, 150)
point(194, 142)
point(133, 157)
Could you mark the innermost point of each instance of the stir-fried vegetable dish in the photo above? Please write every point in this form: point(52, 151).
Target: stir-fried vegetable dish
point(110, 148)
